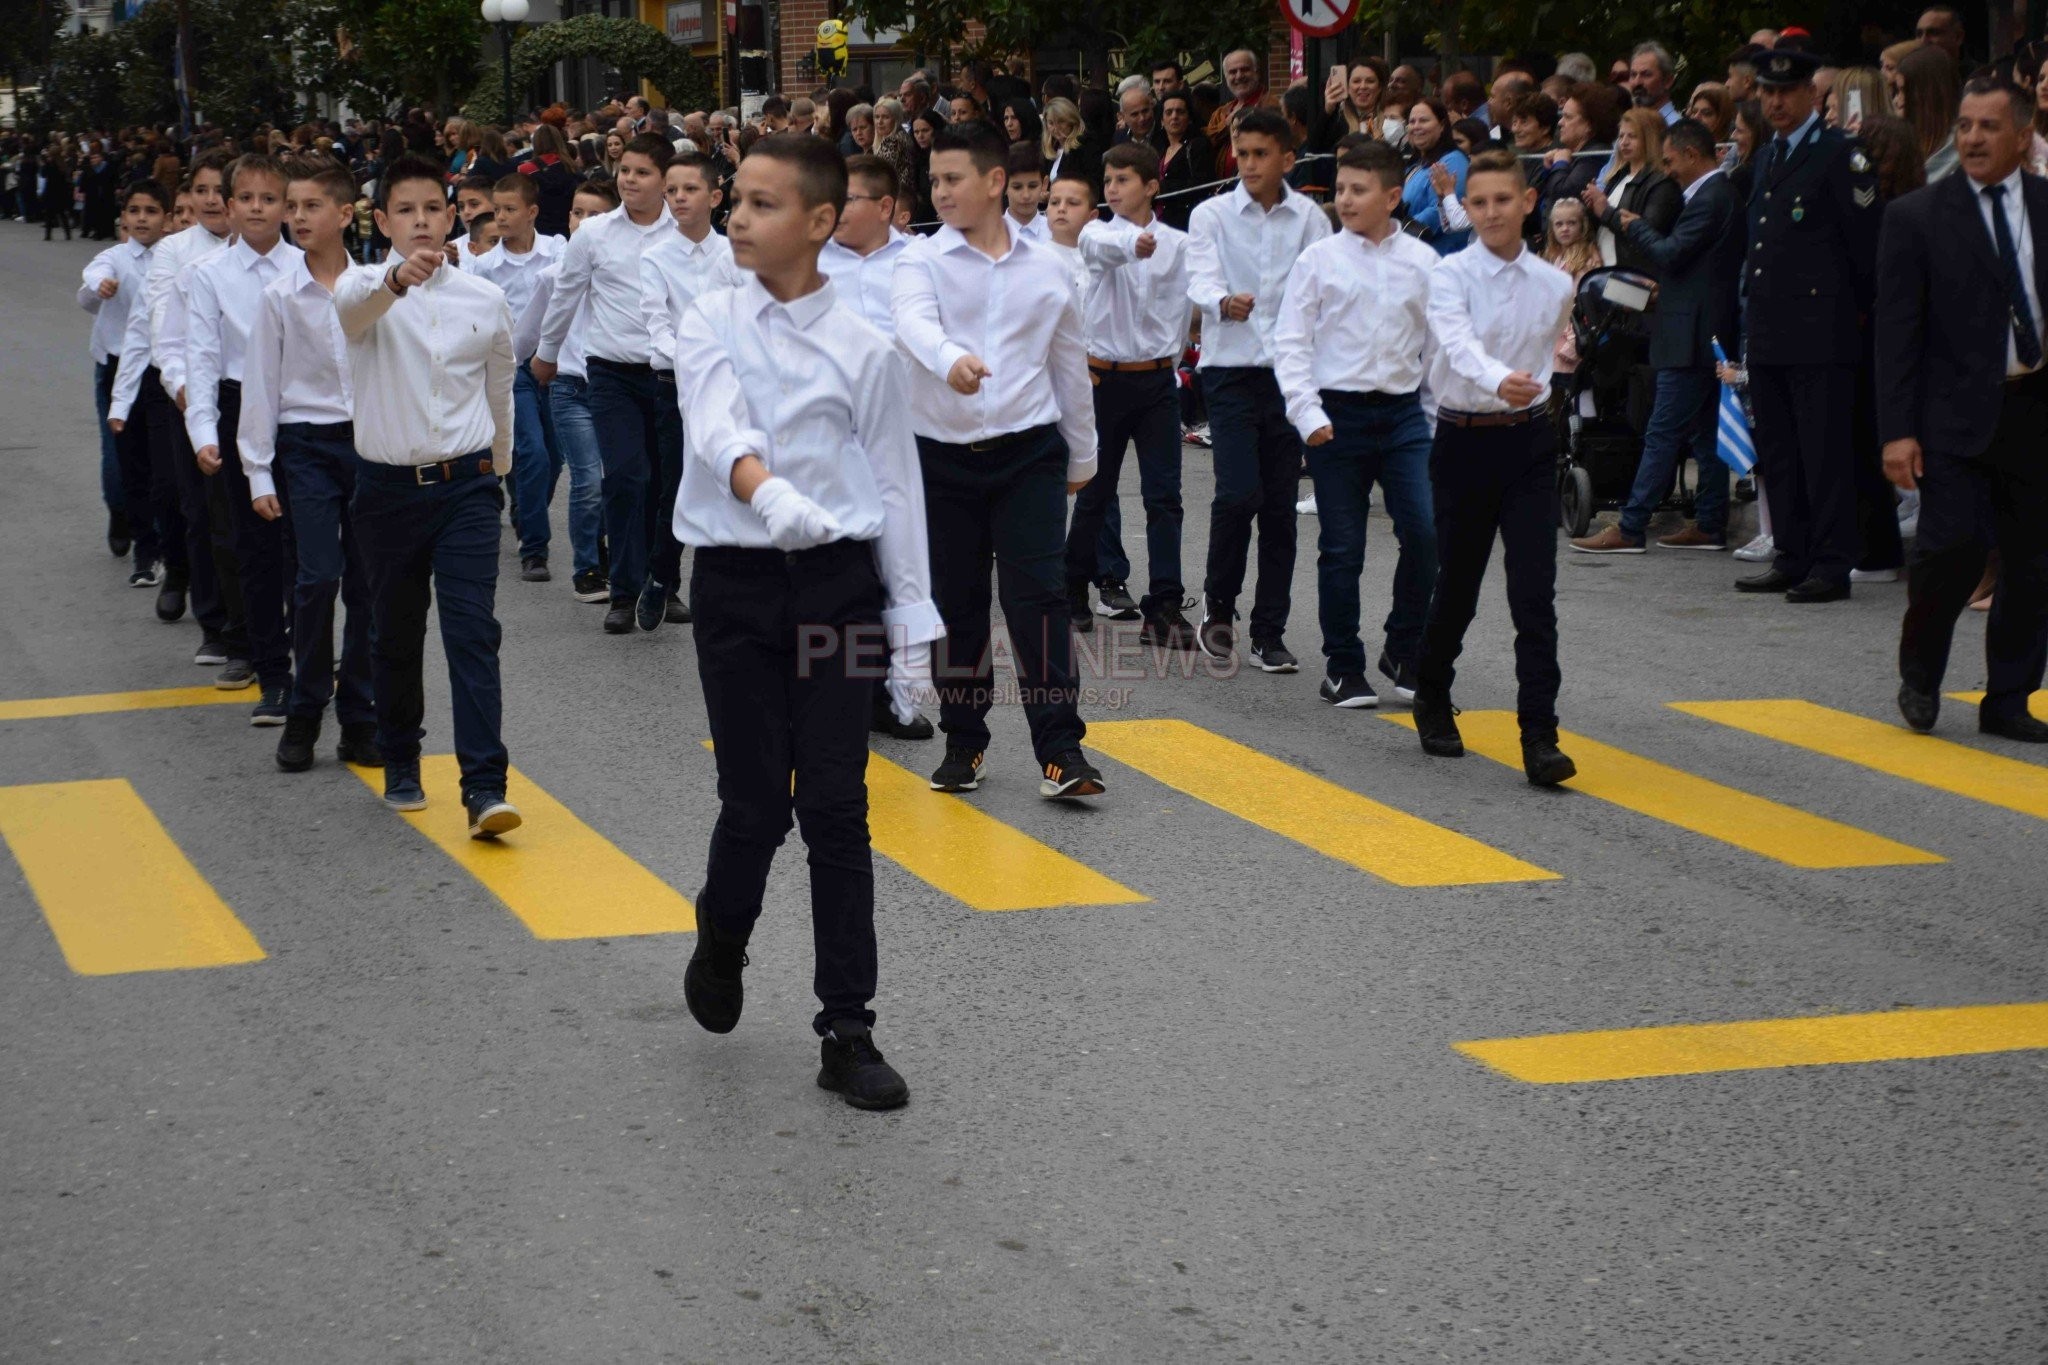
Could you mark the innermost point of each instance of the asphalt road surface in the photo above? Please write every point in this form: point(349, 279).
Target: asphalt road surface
point(1195, 1096)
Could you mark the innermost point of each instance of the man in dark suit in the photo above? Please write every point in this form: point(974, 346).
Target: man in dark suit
point(1697, 265)
point(1963, 407)
point(1809, 277)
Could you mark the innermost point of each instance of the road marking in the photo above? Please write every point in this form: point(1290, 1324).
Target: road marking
point(1332, 820)
point(561, 877)
point(1763, 1044)
point(1781, 833)
point(118, 893)
point(1888, 748)
point(2037, 703)
point(96, 703)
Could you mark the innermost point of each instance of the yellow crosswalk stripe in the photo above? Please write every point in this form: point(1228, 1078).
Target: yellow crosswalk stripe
point(97, 703)
point(2038, 703)
point(1764, 1044)
point(561, 877)
point(118, 893)
point(1332, 820)
point(1888, 748)
point(1782, 833)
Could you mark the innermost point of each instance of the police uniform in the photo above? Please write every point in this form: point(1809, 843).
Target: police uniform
point(1808, 279)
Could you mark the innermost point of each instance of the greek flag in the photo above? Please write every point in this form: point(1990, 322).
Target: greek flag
point(1732, 439)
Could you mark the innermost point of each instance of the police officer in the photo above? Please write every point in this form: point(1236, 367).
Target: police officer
point(1810, 278)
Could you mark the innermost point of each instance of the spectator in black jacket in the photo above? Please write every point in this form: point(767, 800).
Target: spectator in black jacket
point(1187, 162)
point(1636, 186)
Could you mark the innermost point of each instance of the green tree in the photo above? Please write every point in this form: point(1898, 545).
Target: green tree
point(378, 53)
point(1204, 29)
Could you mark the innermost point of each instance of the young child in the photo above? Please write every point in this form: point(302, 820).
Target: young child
point(1494, 311)
point(1350, 351)
point(1568, 244)
point(112, 282)
point(298, 453)
point(430, 379)
point(472, 200)
point(482, 236)
point(221, 294)
point(1026, 190)
point(1136, 312)
point(515, 265)
point(631, 405)
point(1070, 207)
point(1003, 427)
point(1241, 248)
point(802, 497)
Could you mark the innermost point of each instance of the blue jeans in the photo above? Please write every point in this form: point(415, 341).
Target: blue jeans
point(640, 437)
point(1258, 463)
point(1383, 439)
point(536, 464)
point(1683, 414)
point(1133, 409)
point(576, 440)
point(316, 477)
point(110, 458)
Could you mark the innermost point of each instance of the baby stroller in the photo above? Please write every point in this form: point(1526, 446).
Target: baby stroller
point(1605, 405)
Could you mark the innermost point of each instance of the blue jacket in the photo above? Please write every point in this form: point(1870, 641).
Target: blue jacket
point(1419, 197)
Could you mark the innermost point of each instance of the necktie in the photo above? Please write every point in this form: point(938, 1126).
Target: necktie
point(2026, 340)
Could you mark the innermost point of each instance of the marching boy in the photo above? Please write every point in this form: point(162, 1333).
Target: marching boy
point(113, 283)
point(1026, 189)
point(801, 496)
point(1495, 309)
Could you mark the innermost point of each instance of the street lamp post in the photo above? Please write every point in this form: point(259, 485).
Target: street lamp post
point(505, 13)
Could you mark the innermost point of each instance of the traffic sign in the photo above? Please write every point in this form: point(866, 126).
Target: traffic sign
point(1319, 18)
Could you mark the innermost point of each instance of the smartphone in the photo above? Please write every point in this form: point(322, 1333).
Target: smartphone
point(1852, 115)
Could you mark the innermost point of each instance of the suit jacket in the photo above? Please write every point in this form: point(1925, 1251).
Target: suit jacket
point(1811, 271)
point(1657, 198)
point(1698, 265)
point(1943, 316)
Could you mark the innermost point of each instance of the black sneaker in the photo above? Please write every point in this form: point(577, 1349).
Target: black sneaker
point(1545, 764)
point(1079, 612)
point(1401, 675)
point(295, 745)
point(1350, 692)
point(851, 1065)
point(236, 675)
point(882, 720)
point(534, 571)
point(673, 611)
point(1437, 725)
point(118, 539)
point(712, 984)
point(1273, 656)
point(619, 620)
point(402, 789)
point(1216, 637)
point(1070, 774)
point(270, 707)
point(211, 653)
point(1115, 600)
point(148, 576)
point(652, 607)
point(359, 745)
point(1166, 626)
point(490, 815)
point(960, 772)
point(170, 599)
point(590, 586)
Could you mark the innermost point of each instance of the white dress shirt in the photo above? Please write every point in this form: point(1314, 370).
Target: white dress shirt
point(1355, 318)
point(526, 327)
point(167, 262)
point(294, 370)
point(1135, 309)
point(1694, 188)
point(818, 396)
point(673, 271)
point(1236, 247)
point(863, 281)
point(2015, 201)
point(1490, 318)
point(1035, 227)
point(134, 347)
point(515, 273)
point(602, 265)
point(127, 264)
point(222, 294)
point(431, 373)
point(1018, 313)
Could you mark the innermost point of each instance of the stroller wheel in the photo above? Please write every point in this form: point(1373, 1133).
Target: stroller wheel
point(1574, 500)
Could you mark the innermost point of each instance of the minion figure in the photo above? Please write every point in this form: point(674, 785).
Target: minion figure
point(832, 49)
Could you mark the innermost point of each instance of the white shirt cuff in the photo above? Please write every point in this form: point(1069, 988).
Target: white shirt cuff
point(202, 431)
point(1312, 419)
point(1081, 470)
point(914, 623)
point(261, 485)
point(750, 441)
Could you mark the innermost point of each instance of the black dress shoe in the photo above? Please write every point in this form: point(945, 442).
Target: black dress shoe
point(2022, 727)
point(1436, 724)
point(882, 720)
point(619, 620)
point(652, 608)
point(1819, 590)
point(1544, 763)
point(359, 745)
point(170, 600)
point(674, 612)
point(853, 1067)
point(1770, 580)
point(295, 745)
point(1919, 708)
point(118, 539)
point(712, 987)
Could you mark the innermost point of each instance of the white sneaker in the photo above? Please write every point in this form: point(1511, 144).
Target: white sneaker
point(1873, 575)
point(1306, 507)
point(1758, 551)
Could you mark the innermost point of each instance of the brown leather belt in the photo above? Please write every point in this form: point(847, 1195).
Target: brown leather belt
point(1129, 366)
point(1488, 419)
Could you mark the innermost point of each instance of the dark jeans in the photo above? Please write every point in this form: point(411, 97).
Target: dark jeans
point(789, 647)
point(131, 469)
point(536, 463)
point(1111, 563)
point(417, 541)
point(1140, 408)
point(1806, 458)
point(1383, 439)
point(1685, 415)
point(177, 485)
point(1005, 507)
point(110, 458)
point(640, 436)
point(264, 557)
point(1258, 464)
point(1492, 481)
point(316, 478)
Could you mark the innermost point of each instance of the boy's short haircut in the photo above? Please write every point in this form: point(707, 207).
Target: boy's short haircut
point(152, 189)
point(696, 161)
point(330, 175)
point(875, 174)
point(820, 170)
point(212, 159)
point(482, 184)
point(411, 166)
point(654, 147)
point(255, 163)
point(1133, 156)
point(982, 143)
point(775, 107)
point(520, 185)
point(1024, 158)
point(1074, 175)
point(1499, 161)
point(479, 223)
point(599, 187)
point(1265, 123)
point(1377, 160)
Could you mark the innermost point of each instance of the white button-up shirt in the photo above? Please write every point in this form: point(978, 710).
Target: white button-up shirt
point(516, 273)
point(673, 271)
point(526, 328)
point(1135, 309)
point(602, 265)
point(295, 370)
point(2015, 202)
point(818, 396)
point(1355, 318)
point(134, 346)
point(127, 264)
point(1490, 318)
point(221, 299)
point(863, 281)
point(1018, 313)
point(431, 373)
point(1236, 247)
point(167, 262)
point(1035, 227)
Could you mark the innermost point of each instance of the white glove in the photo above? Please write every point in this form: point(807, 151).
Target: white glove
point(910, 680)
point(794, 521)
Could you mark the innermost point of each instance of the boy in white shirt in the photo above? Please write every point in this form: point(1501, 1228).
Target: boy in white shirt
point(802, 498)
point(1351, 351)
point(1137, 325)
point(1026, 190)
point(113, 282)
point(1495, 309)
